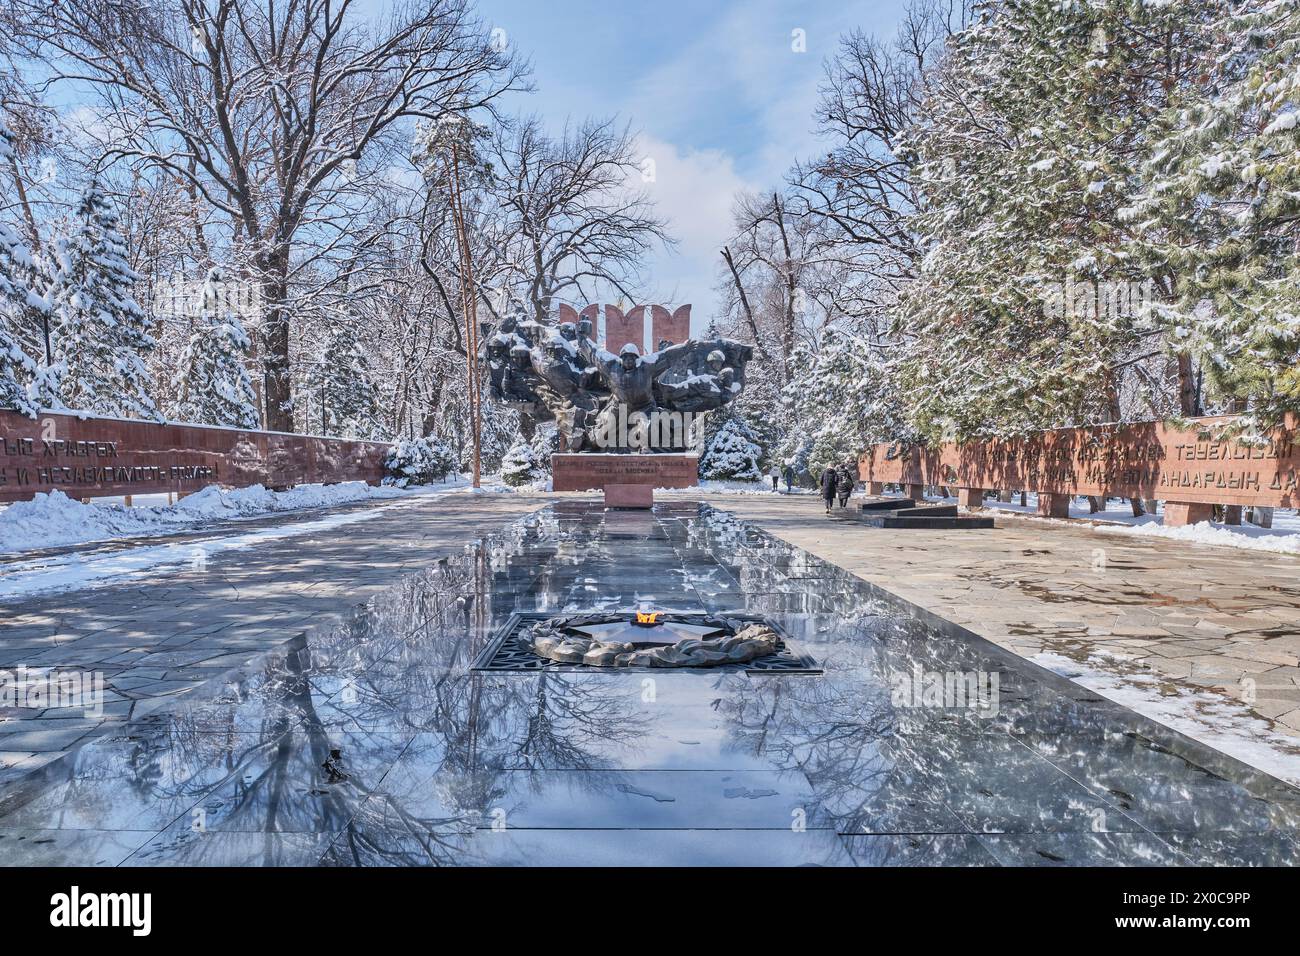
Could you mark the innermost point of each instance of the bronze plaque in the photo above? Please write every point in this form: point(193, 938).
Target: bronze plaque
point(1143, 460)
point(94, 457)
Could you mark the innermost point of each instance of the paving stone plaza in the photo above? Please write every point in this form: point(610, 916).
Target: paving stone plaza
point(331, 698)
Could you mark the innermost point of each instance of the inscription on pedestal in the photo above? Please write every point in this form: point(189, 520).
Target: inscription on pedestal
point(588, 472)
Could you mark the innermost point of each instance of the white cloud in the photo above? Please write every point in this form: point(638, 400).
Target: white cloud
point(694, 189)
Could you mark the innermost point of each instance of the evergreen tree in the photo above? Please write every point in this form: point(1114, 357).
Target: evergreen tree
point(18, 302)
point(1025, 155)
point(1222, 208)
point(351, 400)
point(545, 443)
point(521, 465)
point(418, 461)
point(99, 330)
point(214, 385)
point(842, 401)
point(733, 453)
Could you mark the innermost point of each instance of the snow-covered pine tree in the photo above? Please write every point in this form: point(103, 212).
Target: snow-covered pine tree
point(521, 466)
point(345, 386)
point(546, 442)
point(18, 303)
point(1025, 152)
point(214, 386)
point(418, 461)
point(1222, 208)
point(99, 328)
point(843, 401)
point(732, 454)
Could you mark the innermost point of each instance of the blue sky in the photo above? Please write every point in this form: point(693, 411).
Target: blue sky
point(720, 98)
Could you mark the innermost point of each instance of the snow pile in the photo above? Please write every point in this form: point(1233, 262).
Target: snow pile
point(1118, 518)
point(54, 520)
point(1276, 540)
point(212, 503)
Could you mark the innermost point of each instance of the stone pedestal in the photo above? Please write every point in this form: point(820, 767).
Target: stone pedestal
point(970, 497)
point(1179, 513)
point(629, 496)
point(1053, 505)
point(876, 488)
point(627, 481)
point(915, 492)
point(583, 471)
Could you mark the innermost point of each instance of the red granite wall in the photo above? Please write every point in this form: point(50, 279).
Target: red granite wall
point(93, 457)
point(1142, 460)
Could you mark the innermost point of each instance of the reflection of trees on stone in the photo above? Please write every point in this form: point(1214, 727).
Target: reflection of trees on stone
point(836, 732)
point(469, 730)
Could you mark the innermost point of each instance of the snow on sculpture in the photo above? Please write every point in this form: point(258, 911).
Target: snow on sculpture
point(557, 372)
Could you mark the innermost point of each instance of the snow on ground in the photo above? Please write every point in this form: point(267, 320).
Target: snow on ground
point(1213, 719)
point(37, 574)
point(1277, 539)
point(55, 520)
point(1117, 518)
point(713, 487)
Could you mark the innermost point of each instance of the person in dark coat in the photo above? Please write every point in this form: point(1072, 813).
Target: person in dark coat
point(788, 474)
point(830, 480)
point(844, 483)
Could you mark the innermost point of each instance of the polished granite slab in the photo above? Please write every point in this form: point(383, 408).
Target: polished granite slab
point(433, 763)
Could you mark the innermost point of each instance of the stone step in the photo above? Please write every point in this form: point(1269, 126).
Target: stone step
point(952, 523)
point(886, 504)
point(927, 511)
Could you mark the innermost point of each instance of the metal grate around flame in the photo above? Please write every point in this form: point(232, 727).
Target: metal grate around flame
point(504, 654)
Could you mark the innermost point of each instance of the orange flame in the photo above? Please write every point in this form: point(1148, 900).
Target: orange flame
point(648, 617)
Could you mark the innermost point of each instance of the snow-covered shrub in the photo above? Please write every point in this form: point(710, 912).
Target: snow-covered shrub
point(521, 465)
point(732, 454)
point(418, 461)
point(546, 442)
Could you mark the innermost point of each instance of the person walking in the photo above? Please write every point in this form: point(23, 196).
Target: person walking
point(844, 485)
point(789, 477)
point(830, 479)
point(775, 475)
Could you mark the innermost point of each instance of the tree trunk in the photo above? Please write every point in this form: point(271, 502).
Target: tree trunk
point(1188, 397)
point(1138, 510)
point(1096, 503)
point(744, 305)
point(277, 383)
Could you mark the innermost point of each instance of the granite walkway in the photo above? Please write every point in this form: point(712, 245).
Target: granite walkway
point(1176, 617)
point(1171, 616)
point(154, 638)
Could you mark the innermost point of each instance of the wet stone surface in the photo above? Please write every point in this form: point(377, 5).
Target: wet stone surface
point(920, 744)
